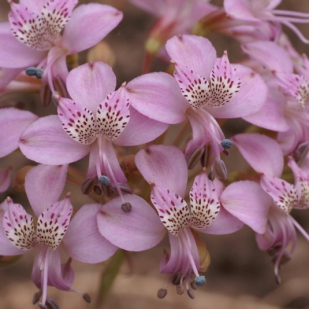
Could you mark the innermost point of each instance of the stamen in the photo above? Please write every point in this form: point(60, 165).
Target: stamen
point(194, 157)
point(162, 293)
point(220, 169)
point(88, 185)
point(301, 153)
point(179, 289)
point(32, 71)
point(87, 298)
point(36, 297)
point(190, 293)
point(104, 180)
point(126, 207)
point(50, 304)
point(97, 190)
point(226, 143)
point(200, 280)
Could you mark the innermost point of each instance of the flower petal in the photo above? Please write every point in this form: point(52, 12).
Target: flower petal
point(87, 244)
point(5, 179)
point(88, 25)
point(262, 152)
point(248, 202)
point(164, 166)
point(90, 83)
point(45, 142)
point(53, 223)
point(140, 130)
point(157, 96)
point(190, 50)
point(137, 230)
point(44, 184)
point(18, 226)
point(13, 122)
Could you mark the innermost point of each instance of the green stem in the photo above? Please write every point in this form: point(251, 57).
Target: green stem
point(107, 278)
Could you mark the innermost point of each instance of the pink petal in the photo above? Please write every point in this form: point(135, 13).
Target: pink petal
point(77, 121)
point(13, 122)
point(18, 227)
point(6, 246)
point(250, 98)
point(7, 75)
point(90, 83)
point(140, 130)
point(137, 230)
point(172, 209)
point(44, 184)
point(16, 54)
point(53, 223)
point(204, 202)
point(271, 115)
point(157, 96)
point(262, 152)
point(87, 244)
point(164, 166)
point(240, 10)
point(88, 25)
point(270, 55)
point(46, 142)
point(5, 179)
point(248, 202)
point(225, 223)
point(113, 114)
point(190, 51)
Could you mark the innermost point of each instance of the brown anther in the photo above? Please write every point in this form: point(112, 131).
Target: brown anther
point(162, 293)
point(126, 207)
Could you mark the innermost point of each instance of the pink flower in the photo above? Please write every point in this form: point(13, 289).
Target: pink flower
point(212, 88)
point(32, 38)
point(91, 122)
point(53, 233)
point(165, 169)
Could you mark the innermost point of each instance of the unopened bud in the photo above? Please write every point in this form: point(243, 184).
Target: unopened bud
point(126, 207)
point(162, 293)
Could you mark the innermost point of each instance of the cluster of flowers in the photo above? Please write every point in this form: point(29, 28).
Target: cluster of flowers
point(269, 89)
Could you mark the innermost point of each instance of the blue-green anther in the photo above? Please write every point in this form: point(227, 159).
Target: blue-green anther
point(226, 143)
point(104, 180)
point(200, 280)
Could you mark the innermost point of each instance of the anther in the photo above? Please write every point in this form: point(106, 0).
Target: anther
point(32, 71)
point(176, 279)
point(179, 289)
point(36, 297)
point(50, 304)
point(220, 169)
point(126, 207)
point(226, 143)
point(301, 153)
point(97, 190)
point(42, 306)
point(200, 280)
point(162, 293)
point(88, 185)
point(104, 180)
point(194, 157)
point(87, 298)
point(125, 188)
point(190, 294)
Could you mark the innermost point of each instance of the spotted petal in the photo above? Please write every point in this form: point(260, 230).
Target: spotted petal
point(53, 223)
point(301, 183)
point(195, 88)
point(224, 82)
point(77, 121)
point(113, 115)
point(204, 202)
point(283, 193)
point(18, 227)
point(40, 31)
point(172, 209)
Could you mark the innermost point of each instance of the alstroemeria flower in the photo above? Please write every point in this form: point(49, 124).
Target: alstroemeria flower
point(212, 88)
point(265, 157)
point(18, 234)
point(165, 168)
point(92, 121)
point(32, 37)
point(261, 12)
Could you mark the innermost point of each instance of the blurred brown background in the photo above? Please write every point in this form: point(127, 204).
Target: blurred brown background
point(240, 276)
